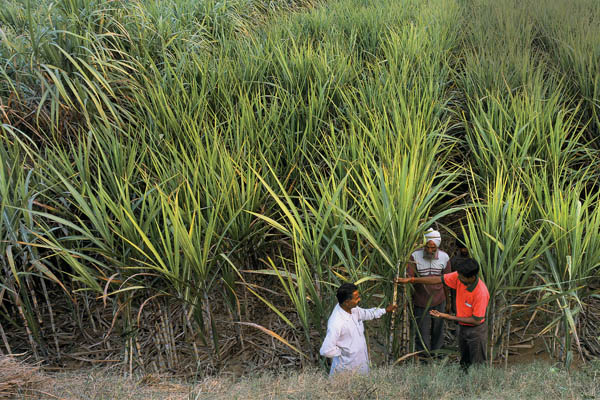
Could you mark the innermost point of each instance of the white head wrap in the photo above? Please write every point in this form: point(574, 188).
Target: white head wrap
point(433, 235)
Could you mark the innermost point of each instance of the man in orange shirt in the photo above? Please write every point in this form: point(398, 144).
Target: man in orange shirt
point(472, 298)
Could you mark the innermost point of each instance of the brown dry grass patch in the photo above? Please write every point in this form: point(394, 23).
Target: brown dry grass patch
point(17, 378)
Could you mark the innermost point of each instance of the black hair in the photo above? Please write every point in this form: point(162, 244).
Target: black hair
point(345, 291)
point(468, 268)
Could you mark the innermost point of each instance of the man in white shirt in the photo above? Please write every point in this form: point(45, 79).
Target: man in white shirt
point(345, 342)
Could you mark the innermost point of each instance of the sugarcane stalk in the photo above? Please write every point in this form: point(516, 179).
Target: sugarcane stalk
point(164, 334)
point(32, 342)
point(187, 316)
point(131, 356)
point(156, 339)
point(171, 336)
point(86, 303)
point(125, 357)
point(239, 328)
point(18, 304)
point(140, 359)
point(393, 318)
point(209, 326)
point(492, 328)
point(507, 343)
point(5, 339)
point(36, 308)
point(405, 321)
point(555, 339)
point(51, 312)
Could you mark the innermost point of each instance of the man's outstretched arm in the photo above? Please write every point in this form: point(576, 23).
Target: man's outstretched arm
point(366, 314)
point(465, 320)
point(426, 280)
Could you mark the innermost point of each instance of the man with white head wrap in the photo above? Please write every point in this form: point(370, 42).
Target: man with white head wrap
point(429, 261)
point(433, 235)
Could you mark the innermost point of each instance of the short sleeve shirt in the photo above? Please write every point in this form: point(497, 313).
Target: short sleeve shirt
point(472, 300)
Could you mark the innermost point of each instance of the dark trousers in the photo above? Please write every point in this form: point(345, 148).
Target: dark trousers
point(429, 332)
point(472, 343)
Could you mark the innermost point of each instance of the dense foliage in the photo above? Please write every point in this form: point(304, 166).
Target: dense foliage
point(172, 169)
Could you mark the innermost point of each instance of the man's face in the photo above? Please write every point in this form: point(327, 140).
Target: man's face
point(430, 249)
point(466, 281)
point(353, 302)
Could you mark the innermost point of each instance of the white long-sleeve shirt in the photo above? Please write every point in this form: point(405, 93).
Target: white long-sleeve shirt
point(345, 341)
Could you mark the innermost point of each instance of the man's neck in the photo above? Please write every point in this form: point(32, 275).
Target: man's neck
point(348, 310)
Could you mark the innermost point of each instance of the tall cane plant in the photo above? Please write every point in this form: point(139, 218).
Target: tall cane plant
point(571, 223)
point(501, 236)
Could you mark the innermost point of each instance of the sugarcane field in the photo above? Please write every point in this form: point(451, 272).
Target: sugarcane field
point(299, 199)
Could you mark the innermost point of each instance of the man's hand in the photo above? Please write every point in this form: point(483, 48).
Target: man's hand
point(437, 314)
point(391, 308)
point(402, 280)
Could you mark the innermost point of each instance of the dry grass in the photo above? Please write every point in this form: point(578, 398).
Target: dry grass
point(437, 381)
point(19, 378)
point(102, 385)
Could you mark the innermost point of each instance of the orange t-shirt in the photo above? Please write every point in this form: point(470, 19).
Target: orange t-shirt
point(472, 300)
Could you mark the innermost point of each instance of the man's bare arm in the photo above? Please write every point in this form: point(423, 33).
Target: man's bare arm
point(427, 280)
point(464, 320)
